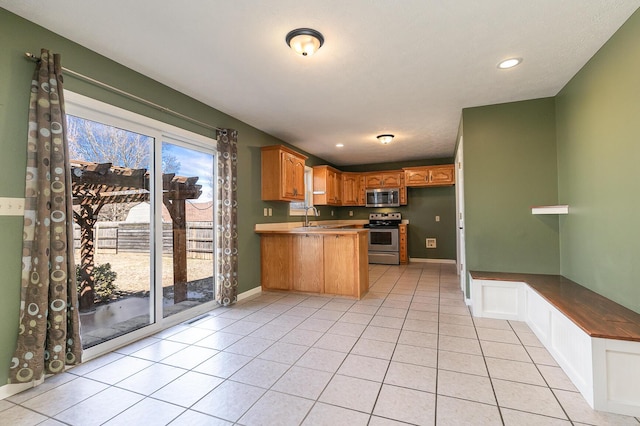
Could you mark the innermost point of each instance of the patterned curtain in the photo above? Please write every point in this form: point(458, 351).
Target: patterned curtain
point(48, 337)
point(227, 218)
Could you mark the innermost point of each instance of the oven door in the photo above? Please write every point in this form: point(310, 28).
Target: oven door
point(383, 239)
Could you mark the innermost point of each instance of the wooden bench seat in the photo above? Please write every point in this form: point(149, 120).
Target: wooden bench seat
point(593, 339)
point(594, 314)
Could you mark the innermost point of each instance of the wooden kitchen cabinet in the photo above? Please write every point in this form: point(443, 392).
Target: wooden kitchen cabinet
point(404, 254)
point(346, 270)
point(442, 175)
point(327, 186)
point(282, 174)
point(385, 179)
point(352, 190)
point(276, 266)
point(306, 265)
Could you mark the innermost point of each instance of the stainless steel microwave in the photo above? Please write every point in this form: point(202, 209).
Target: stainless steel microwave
point(383, 197)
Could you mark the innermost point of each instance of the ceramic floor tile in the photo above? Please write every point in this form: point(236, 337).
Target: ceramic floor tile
point(356, 318)
point(541, 356)
point(154, 352)
point(302, 311)
point(49, 422)
point(406, 405)
point(420, 326)
point(215, 323)
point(350, 392)
point(100, 407)
point(519, 418)
point(187, 389)
point(556, 378)
point(395, 304)
point(339, 305)
point(151, 379)
point(529, 398)
point(505, 351)
point(388, 322)
point(249, 346)
point(462, 363)
point(260, 372)
point(329, 415)
point(242, 327)
point(373, 348)
point(516, 371)
point(465, 386)
point(336, 342)
point(189, 357)
point(458, 412)
point(456, 319)
point(457, 331)
point(261, 317)
point(416, 338)
point(315, 302)
point(148, 411)
point(303, 382)
point(49, 384)
point(579, 411)
point(422, 315)
point(272, 331)
point(492, 323)
point(496, 335)
point(219, 341)
point(425, 307)
point(190, 335)
point(94, 364)
point(20, 416)
point(64, 396)
point(321, 359)
point(194, 418)
point(277, 408)
point(529, 339)
point(426, 299)
point(454, 310)
point(363, 309)
point(415, 355)
point(411, 376)
point(286, 353)
point(386, 311)
point(223, 364)
point(364, 367)
point(459, 344)
point(302, 337)
point(229, 401)
point(381, 333)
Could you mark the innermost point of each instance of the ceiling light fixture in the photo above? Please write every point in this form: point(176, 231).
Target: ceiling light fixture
point(304, 41)
point(339, 145)
point(385, 139)
point(509, 63)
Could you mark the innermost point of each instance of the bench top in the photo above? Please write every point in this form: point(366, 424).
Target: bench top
point(594, 314)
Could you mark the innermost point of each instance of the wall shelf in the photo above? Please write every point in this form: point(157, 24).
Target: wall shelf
point(558, 209)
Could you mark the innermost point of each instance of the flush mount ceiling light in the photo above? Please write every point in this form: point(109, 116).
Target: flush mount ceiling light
point(509, 63)
point(340, 145)
point(385, 139)
point(305, 41)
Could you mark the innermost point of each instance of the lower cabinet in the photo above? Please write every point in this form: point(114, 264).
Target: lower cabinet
point(316, 263)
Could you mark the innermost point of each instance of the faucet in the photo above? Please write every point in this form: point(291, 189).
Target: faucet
point(306, 217)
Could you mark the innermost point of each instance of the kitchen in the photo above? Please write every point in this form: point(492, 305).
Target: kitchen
point(383, 195)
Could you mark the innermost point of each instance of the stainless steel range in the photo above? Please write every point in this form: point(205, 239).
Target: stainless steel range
point(384, 247)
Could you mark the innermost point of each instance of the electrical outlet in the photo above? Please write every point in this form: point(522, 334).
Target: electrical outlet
point(331, 212)
point(431, 243)
point(266, 212)
point(437, 218)
point(350, 212)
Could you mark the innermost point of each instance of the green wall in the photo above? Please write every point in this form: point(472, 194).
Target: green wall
point(510, 164)
point(598, 129)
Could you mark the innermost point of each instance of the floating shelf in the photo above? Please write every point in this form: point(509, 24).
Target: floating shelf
point(559, 209)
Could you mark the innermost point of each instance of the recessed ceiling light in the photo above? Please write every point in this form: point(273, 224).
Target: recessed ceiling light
point(339, 145)
point(509, 63)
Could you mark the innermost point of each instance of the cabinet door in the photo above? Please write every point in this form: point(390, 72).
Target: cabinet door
point(292, 176)
point(339, 268)
point(307, 270)
point(336, 184)
point(391, 180)
point(404, 256)
point(350, 189)
point(275, 264)
point(417, 177)
point(442, 175)
point(373, 181)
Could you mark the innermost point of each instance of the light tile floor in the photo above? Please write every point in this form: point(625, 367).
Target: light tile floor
point(407, 353)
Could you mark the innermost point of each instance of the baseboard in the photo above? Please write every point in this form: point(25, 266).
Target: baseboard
point(424, 260)
point(249, 293)
point(11, 389)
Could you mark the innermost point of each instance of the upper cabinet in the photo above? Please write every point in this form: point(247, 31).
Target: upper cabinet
point(386, 179)
point(442, 175)
point(282, 174)
point(352, 189)
point(327, 186)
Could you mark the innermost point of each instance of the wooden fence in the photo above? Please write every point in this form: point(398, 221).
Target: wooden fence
point(125, 237)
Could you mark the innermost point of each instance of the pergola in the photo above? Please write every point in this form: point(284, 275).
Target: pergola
point(95, 185)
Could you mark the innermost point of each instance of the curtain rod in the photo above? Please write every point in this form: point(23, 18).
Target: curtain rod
point(106, 86)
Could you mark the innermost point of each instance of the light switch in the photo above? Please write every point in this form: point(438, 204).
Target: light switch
point(437, 218)
point(270, 212)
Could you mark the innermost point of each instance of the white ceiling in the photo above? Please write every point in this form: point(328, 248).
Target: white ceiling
point(403, 67)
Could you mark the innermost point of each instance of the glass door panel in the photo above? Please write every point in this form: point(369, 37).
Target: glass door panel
point(187, 228)
point(111, 198)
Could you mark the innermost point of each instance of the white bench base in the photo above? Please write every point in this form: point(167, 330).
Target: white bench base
point(605, 371)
